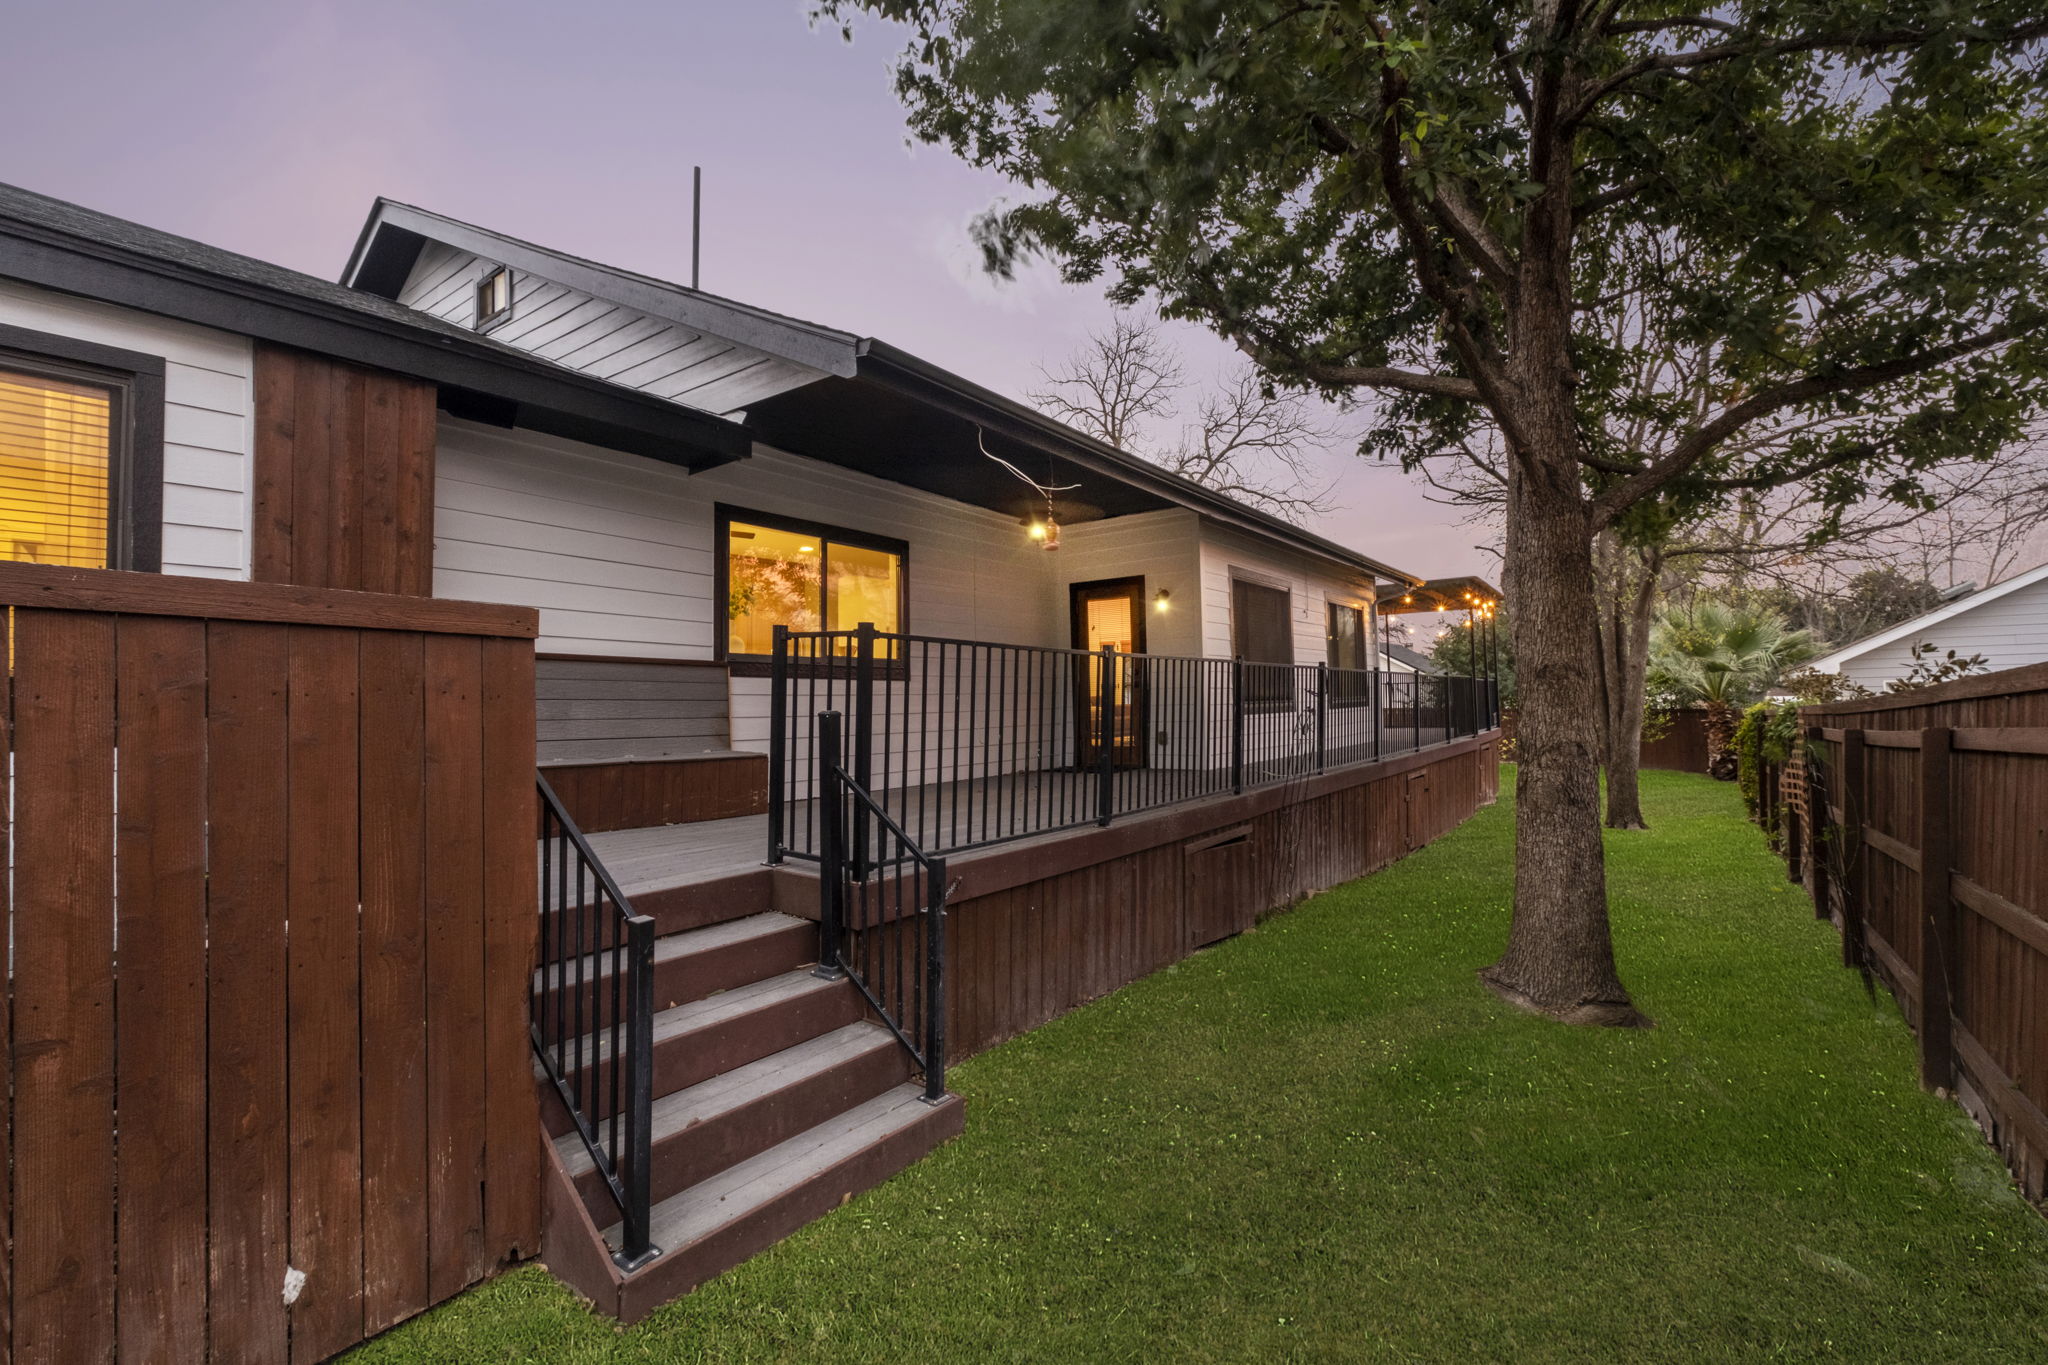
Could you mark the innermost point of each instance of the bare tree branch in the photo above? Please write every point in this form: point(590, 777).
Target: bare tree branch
point(1113, 385)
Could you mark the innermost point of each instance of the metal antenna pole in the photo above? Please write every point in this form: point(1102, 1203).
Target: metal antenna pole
point(696, 222)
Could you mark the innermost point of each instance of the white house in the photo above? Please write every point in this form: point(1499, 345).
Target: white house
point(2006, 623)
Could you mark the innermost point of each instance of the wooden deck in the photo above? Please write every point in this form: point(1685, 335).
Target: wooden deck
point(1010, 808)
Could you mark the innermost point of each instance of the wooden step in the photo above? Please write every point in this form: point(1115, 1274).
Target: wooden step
point(714, 898)
point(716, 1124)
point(714, 1225)
point(700, 1039)
point(692, 965)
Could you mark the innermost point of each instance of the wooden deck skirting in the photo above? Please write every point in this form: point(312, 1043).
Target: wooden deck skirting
point(1924, 836)
point(1038, 928)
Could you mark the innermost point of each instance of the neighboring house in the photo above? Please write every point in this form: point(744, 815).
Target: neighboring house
point(730, 522)
point(2006, 623)
point(1402, 659)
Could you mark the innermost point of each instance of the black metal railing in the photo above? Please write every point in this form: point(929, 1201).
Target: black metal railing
point(593, 1018)
point(966, 743)
point(881, 910)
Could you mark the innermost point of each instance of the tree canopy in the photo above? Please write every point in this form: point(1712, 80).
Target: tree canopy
point(1492, 215)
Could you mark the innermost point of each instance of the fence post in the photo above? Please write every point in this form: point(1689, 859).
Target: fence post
point(863, 740)
point(1853, 880)
point(1818, 822)
point(831, 797)
point(1105, 737)
point(1940, 959)
point(1237, 724)
point(778, 742)
point(935, 983)
point(1322, 714)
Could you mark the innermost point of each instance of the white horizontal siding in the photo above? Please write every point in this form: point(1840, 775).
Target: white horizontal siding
point(1164, 548)
point(617, 551)
point(602, 338)
point(2009, 631)
point(207, 404)
point(1311, 583)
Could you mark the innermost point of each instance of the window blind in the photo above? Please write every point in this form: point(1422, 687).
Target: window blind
point(54, 456)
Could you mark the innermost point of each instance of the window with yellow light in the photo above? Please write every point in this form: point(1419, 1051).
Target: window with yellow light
point(56, 446)
point(805, 577)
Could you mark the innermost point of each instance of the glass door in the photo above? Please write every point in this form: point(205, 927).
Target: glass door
point(1110, 615)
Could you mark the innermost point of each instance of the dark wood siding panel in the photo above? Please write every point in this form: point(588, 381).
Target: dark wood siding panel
point(607, 711)
point(344, 475)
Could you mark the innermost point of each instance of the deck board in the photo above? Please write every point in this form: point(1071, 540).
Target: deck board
point(661, 857)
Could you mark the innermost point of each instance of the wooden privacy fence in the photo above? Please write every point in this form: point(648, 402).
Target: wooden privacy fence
point(272, 928)
point(1925, 837)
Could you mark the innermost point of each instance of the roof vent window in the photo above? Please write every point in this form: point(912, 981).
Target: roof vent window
point(493, 297)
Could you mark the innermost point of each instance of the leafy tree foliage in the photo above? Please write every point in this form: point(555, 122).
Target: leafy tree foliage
point(1468, 207)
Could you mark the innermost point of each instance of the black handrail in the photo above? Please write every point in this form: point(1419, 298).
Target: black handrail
point(969, 743)
point(595, 1005)
point(881, 911)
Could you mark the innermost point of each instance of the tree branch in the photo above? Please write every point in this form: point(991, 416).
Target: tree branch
point(1706, 437)
point(1873, 40)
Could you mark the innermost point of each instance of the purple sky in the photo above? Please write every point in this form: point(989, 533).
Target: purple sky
point(268, 128)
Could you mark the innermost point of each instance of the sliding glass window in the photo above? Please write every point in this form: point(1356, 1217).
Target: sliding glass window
point(777, 572)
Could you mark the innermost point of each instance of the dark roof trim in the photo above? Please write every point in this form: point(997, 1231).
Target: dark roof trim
point(927, 383)
point(542, 396)
point(391, 240)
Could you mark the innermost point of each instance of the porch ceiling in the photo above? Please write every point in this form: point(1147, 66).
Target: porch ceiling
point(869, 426)
point(1441, 594)
point(907, 420)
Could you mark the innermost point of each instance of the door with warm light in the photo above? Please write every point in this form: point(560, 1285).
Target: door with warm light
point(1110, 615)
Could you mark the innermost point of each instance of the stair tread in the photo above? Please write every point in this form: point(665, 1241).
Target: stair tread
point(704, 1208)
point(677, 1020)
point(690, 942)
point(706, 1100)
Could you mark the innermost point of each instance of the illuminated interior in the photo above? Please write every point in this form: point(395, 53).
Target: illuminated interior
point(54, 457)
point(806, 582)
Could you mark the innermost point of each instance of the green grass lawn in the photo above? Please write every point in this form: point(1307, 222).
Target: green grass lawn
point(1324, 1140)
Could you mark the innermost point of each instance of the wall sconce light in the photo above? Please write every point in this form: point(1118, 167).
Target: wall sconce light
point(1160, 599)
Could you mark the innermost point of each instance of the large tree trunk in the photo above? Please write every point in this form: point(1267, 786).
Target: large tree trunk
point(1559, 959)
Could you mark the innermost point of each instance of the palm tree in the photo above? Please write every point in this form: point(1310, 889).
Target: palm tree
point(1723, 656)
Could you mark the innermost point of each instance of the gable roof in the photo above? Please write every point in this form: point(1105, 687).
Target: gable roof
point(1832, 662)
point(872, 407)
point(74, 250)
point(391, 239)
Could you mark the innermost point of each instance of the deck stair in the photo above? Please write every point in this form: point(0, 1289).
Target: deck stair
point(777, 1096)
